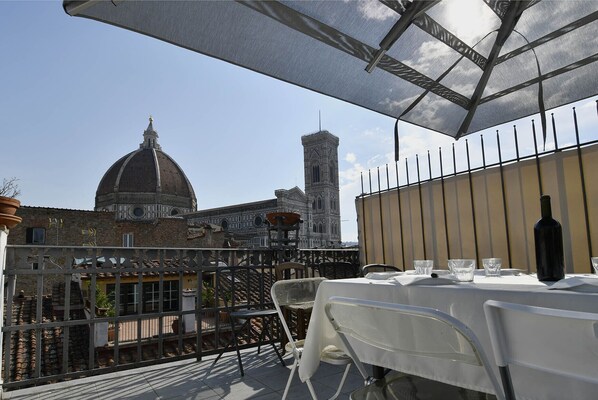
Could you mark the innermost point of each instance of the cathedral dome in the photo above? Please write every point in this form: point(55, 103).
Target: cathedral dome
point(145, 184)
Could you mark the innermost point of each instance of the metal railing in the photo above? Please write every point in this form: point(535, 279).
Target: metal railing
point(79, 311)
point(464, 161)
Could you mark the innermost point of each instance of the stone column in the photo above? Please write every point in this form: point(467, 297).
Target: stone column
point(189, 301)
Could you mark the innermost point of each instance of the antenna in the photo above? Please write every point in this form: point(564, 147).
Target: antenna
point(320, 120)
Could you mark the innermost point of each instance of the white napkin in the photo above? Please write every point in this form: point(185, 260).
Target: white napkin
point(382, 276)
point(577, 283)
point(408, 280)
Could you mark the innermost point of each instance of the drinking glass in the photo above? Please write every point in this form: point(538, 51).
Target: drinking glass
point(492, 266)
point(462, 269)
point(595, 264)
point(423, 267)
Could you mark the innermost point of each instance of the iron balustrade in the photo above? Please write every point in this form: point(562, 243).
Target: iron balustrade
point(80, 311)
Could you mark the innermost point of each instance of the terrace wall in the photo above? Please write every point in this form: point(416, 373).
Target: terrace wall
point(486, 212)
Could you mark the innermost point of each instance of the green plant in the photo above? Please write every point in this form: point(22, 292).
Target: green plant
point(105, 301)
point(207, 296)
point(10, 188)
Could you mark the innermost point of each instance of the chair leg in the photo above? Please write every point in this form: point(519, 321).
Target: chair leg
point(286, 389)
point(234, 332)
point(311, 389)
point(340, 385)
point(268, 329)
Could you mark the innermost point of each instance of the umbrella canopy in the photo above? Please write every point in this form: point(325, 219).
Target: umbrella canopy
point(453, 66)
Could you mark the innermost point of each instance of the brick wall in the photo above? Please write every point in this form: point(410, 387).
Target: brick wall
point(65, 227)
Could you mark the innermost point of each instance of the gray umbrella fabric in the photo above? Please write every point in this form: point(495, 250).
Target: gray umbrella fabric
point(452, 66)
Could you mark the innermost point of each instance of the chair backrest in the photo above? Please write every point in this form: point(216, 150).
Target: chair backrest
point(366, 269)
point(290, 270)
point(293, 292)
point(338, 270)
point(561, 342)
point(404, 329)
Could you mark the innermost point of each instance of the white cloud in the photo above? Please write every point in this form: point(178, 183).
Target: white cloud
point(373, 9)
point(351, 157)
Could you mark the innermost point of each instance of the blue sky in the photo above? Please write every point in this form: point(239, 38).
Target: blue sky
point(77, 94)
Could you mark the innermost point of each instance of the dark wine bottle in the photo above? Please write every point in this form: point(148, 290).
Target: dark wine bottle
point(548, 237)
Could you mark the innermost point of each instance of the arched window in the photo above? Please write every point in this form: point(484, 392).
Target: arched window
point(331, 173)
point(320, 206)
point(320, 228)
point(315, 228)
point(313, 205)
point(315, 173)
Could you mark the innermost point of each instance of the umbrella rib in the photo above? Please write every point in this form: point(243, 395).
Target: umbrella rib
point(349, 45)
point(429, 25)
point(512, 15)
point(548, 75)
point(412, 11)
point(500, 7)
point(553, 35)
point(433, 28)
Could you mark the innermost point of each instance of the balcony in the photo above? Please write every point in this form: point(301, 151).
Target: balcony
point(78, 312)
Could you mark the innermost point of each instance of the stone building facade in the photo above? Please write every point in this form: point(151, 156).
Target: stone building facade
point(318, 205)
point(145, 200)
point(320, 155)
point(145, 184)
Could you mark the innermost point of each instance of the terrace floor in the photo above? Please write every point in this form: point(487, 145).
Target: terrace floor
point(264, 379)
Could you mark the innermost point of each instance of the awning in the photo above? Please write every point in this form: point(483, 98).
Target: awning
point(453, 66)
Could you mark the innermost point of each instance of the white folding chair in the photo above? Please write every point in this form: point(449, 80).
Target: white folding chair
point(294, 293)
point(386, 328)
point(559, 342)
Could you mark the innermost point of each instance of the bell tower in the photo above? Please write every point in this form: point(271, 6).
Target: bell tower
point(320, 158)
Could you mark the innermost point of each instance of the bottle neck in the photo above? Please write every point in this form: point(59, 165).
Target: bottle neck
point(545, 207)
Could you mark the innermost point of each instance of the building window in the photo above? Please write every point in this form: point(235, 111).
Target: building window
point(35, 236)
point(151, 296)
point(174, 212)
point(320, 228)
point(320, 203)
point(128, 297)
point(138, 212)
point(315, 173)
point(315, 228)
point(224, 224)
point(128, 240)
point(331, 173)
point(258, 220)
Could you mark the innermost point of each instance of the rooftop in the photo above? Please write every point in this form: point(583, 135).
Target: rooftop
point(264, 379)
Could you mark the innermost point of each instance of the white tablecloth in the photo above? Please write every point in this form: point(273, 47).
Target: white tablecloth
point(465, 302)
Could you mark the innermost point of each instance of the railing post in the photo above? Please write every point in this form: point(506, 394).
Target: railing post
point(3, 243)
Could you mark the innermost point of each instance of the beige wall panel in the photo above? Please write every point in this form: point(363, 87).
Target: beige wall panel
point(391, 218)
point(523, 209)
point(590, 168)
point(490, 216)
point(434, 225)
point(560, 178)
point(562, 181)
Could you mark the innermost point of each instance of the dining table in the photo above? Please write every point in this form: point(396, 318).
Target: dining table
point(464, 301)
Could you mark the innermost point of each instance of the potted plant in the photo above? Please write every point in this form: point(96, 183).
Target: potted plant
point(105, 308)
point(8, 203)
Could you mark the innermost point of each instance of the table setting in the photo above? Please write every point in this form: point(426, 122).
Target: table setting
point(462, 295)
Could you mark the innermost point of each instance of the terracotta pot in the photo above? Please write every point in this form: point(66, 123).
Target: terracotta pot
point(9, 205)
point(285, 218)
point(10, 221)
